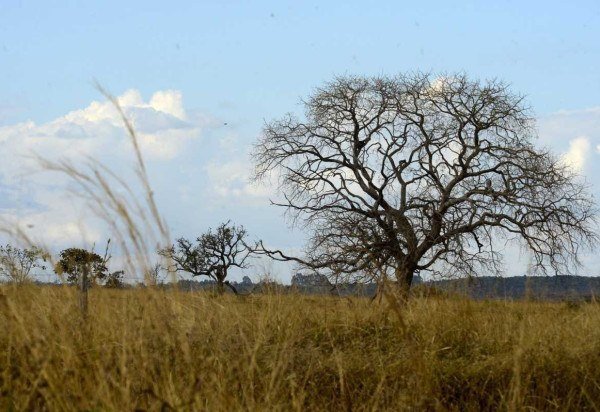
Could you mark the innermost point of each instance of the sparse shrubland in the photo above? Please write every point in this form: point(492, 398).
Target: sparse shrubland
point(151, 349)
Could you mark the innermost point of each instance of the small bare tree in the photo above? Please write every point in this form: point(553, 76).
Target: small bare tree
point(16, 264)
point(414, 173)
point(213, 254)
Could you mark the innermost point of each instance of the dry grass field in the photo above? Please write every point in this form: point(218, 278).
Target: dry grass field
point(147, 349)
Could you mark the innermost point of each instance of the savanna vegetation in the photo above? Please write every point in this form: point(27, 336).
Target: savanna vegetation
point(391, 177)
point(152, 349)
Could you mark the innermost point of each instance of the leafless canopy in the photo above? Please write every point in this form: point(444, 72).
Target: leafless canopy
point(416, 173)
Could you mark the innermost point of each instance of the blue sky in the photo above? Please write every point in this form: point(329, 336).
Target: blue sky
point(261, 56)
point(241, 63)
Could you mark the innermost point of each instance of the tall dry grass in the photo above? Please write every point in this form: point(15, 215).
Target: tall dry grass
point(149, 349)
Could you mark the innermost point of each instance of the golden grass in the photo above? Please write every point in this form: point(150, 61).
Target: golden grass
point(146, 349)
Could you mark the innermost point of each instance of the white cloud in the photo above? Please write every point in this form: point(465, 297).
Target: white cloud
point(39, 202)
point(97, 131)
point(574, 133)
point(437, 85)
point(168, 101)
point(578, 153)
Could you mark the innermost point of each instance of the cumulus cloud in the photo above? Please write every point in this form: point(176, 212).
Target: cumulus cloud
point(160, 123)
point(168, 101)
point(578, 153)
point(573, 134)
point(40, 203)
point(97, 131)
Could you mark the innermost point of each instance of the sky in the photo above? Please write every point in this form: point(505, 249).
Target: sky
point(199, 79)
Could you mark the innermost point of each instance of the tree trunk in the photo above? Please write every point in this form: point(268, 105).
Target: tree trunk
point(220, 286)
point(83, 291)
point(404, 276)
point(221, 282)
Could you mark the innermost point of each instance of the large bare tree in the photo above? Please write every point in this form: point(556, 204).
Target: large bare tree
point(396, 175)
